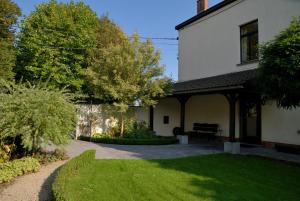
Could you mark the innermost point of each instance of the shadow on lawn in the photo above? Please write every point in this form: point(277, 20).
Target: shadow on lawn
point(46, 193)
point(227, 177)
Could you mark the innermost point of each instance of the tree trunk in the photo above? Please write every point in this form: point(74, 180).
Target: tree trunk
point(33, 151)
point(122, 125)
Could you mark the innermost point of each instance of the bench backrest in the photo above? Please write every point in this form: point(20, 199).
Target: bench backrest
point(206, 127)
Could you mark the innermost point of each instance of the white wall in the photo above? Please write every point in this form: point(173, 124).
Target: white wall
point(166, 107)
point(199, 109)
point(211, 46)
point(281, 126)
point(142, 114)
point(213, 109)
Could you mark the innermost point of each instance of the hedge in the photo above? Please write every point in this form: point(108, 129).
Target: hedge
point(18, 167)
point(128, 141)
point(68, 171)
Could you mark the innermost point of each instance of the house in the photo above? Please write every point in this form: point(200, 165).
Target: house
point(218, 61)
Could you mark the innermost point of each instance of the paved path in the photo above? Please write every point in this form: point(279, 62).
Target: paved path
point(271, 153)
point(104, 151)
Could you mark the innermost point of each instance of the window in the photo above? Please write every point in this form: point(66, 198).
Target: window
point(249, 42)
point(166, 119)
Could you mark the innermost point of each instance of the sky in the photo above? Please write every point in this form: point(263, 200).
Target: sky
point(153, 18)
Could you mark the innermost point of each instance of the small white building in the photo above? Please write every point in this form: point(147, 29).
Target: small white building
point(218, 58)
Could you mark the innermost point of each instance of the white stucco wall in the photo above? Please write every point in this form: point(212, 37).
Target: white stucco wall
point(92, 119)
point(213, 109)
point(142, 114)
point(166, 107)
point(199, 109)
point(211, 46)
point(281, 126)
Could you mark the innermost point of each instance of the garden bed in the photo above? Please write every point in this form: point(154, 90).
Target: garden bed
point(130, 141)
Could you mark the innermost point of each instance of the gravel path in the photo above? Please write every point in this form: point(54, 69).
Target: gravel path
point(32, 187)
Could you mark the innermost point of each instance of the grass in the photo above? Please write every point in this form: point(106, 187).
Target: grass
point(218, 177)
point(131, 141)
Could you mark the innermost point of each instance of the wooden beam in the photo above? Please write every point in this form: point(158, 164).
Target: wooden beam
point(151, 118)
point(182, 100)
point(232, 99)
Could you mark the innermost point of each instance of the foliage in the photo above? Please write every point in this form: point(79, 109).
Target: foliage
point(54, 41)
point(36, 115)
point(49, 157)
point(280, 67)
point(137, 130)
point(109, 34)
point(9, 13)
point(151, 140)
point(206, 178)
point(68, 171)
point(5, 152)
point(15, 168)
point(128, 73)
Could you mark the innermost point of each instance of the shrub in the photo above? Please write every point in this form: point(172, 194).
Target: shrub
point(131, 141)
point(137, 130)
point(49, 157)
point(5, 152)
point(68, 171)
point(36, 115)
point(15, 168)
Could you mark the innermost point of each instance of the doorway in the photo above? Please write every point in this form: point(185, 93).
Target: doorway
point(250, 124)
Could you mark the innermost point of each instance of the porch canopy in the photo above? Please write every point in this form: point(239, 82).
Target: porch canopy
point(230, 85)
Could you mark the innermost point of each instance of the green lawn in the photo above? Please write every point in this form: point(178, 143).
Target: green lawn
point(205, 178)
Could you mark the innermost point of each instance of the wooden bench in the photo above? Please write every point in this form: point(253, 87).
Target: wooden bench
point(208, 130)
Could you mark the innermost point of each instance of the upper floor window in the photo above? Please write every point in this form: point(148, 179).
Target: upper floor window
point(249, 42)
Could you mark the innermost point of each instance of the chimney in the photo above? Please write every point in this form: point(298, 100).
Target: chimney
point(202, 5)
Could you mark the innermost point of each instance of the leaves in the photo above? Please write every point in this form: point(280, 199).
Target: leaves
point(126, 73)
point(9, 13)
point(54, 41)
point(280, 67)
point(36, 114)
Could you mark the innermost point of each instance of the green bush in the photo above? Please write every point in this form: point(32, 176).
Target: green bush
point(129, 141)
point(15, 168)
point(5, 152)
point(35, 115)
point(49, 157)
point(137, 130)
point(68, 171)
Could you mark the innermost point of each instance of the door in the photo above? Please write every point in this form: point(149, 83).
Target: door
point(250, 119)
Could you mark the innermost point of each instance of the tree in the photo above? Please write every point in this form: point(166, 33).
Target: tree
point(54, 41)
point(9, 13)
point(108, 34)
point(279, 70)
point(36, 115)
point(126, 73)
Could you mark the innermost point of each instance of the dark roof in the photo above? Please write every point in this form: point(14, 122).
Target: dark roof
point(205, 13)
point(217, 83)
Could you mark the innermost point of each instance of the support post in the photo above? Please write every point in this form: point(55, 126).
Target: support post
point(182, 100)
point(151, 118)
point(232, 99)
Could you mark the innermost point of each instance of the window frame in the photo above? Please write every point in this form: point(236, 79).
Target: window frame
point(166, 120)
point(248, 35)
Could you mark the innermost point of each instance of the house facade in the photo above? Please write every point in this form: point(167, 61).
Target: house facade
point(218, 61)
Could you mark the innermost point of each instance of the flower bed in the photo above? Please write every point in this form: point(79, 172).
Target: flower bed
point(131, 141)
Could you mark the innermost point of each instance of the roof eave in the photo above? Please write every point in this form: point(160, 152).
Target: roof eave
point(209, 90)
point(204, 13)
